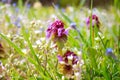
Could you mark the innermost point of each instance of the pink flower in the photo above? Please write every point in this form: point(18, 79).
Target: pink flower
point(56, 31)
point(67, 63)
point(95, 21)
point(67, 57)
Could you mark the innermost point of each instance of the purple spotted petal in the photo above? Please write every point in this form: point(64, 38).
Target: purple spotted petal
point(69, 53)
point(60, 32)
point(48, 33)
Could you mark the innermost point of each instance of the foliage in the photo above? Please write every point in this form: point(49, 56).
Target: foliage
point(31, 56)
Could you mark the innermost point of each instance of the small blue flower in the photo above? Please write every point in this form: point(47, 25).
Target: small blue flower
point(14, 4)
point(73, 25)
point(17, 22)
point(63, 9)
point(57, 6)
point(16, 9)
point(109, 51)
point(28, 5)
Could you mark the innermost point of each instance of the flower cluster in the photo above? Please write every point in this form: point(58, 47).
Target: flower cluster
point(95, 21)
point(67, 63)
point(68, 60)
point(57, 32)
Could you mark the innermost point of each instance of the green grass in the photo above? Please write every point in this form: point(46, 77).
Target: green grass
point(39, 60)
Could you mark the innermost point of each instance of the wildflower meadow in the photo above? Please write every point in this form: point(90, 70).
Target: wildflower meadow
point(55, 42)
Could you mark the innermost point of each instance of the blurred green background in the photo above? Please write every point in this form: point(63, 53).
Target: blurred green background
point(64, 3)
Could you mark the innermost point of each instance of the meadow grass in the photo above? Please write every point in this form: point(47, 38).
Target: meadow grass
point(30, 56)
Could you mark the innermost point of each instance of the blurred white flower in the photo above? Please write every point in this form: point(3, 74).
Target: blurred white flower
point(24, 51)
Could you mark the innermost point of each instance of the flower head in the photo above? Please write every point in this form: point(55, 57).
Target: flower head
point(95, 21)
point(109, 51)
point(70, 56)
point(67, 61)
point(73, 25)
point(67, 70)
point(56, 31)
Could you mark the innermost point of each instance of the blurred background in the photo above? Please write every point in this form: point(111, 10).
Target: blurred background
point(64, 3)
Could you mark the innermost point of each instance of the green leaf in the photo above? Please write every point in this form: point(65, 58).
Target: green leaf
point(22, 54)
point(92, 56)
point(26, 36)
point(38, 66)
point(19, 50)
point(105, 71)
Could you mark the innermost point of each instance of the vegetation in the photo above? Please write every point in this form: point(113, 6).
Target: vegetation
point(52, 43)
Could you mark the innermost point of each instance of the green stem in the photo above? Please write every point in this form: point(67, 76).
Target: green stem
point(102, 42)
point(91, 29)
point(59, 51)
point(93, 35)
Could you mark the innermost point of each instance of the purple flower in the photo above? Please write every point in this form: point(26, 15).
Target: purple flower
point(56, 31)
point(62, 31)
point(95, 21)
point(60, 59)
point(70, 55)
point(67, 63)
point(67, 57)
